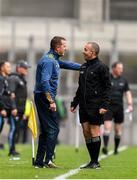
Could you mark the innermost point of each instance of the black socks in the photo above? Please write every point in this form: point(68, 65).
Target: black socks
point(106, 140)
point(93, 146)
point(89, 144)
point(117, 142)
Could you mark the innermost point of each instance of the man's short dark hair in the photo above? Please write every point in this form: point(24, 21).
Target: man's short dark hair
point(115, 64)
point(55, 41)
point(2, 63)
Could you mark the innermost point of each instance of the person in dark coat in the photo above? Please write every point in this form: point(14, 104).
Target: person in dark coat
point(18, 86)
point(92, 96)
point(7, 106)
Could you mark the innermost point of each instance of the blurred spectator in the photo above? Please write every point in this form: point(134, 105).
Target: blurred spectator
point(19, 88)
point(119, 87)
point(7, 106)
point(61, 111)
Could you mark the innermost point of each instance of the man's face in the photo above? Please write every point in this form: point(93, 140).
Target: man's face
point(88, 52)
point(22, 70)
point(61, 49)
point(118, 70)
point(6, 69)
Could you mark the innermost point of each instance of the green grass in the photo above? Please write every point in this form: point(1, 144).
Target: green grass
point(123, 165)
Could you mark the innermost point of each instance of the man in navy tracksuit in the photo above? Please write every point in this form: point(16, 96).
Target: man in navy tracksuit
point(47, 74)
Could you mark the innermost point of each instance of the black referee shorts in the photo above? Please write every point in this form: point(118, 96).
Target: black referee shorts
point(92, 116)
point(116, 113)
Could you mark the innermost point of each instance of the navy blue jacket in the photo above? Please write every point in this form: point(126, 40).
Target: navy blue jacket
point(47, 73)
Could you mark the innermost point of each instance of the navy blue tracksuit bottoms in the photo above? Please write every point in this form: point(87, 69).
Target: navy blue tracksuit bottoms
point(12, 131)
point(49, 129)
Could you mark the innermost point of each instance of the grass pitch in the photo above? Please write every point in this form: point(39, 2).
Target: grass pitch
point(121, 166)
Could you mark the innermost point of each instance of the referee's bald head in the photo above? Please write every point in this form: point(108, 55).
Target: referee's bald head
point(95, 47)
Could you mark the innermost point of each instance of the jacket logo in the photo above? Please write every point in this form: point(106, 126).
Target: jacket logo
point(57, 65)
point(51, 56)
point(121, 84)
point(92, 72)
point(21, 83)
point(81, 72)
point(96, 92)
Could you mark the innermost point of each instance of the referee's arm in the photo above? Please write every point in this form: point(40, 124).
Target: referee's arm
point(129, 100)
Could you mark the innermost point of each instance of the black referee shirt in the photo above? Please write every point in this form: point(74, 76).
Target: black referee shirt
point(119, 85)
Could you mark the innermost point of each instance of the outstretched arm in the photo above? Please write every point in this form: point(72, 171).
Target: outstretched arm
point(69, 65)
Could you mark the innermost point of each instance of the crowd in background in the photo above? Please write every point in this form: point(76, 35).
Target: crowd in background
point(13, 96)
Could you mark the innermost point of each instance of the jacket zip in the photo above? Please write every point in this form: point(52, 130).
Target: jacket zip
point(85, 86)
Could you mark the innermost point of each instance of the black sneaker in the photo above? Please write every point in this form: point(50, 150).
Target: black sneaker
point(86, 166)
point(91, 165)
point(1, 146)
point(115, 152)
point(38, 166)
point(95, 165)
point(14, 153)
point(104, 151)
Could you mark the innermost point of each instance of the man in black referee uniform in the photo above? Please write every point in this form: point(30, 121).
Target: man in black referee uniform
point(93, 98)
point(119, 86)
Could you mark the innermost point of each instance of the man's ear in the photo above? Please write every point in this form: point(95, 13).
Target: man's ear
point(57, 48)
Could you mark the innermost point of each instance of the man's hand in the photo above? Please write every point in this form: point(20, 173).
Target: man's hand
point(102, 111)
point(24, 118)
point(14, 112)
point(72, 109)
point(13, 95)
point(3, 113)
point(130, 108)
point(52, 107)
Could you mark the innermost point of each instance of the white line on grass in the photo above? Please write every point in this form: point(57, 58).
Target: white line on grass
point(75, 171)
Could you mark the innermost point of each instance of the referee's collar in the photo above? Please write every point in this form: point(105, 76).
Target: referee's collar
point(92, 61)
point(115, 77)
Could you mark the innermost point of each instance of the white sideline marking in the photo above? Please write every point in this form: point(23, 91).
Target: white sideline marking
point(75, 171)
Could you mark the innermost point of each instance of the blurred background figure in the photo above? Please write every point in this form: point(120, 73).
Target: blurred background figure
point(7, 106)
point(18, 86)
point(61, 112)
point(119, 87)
